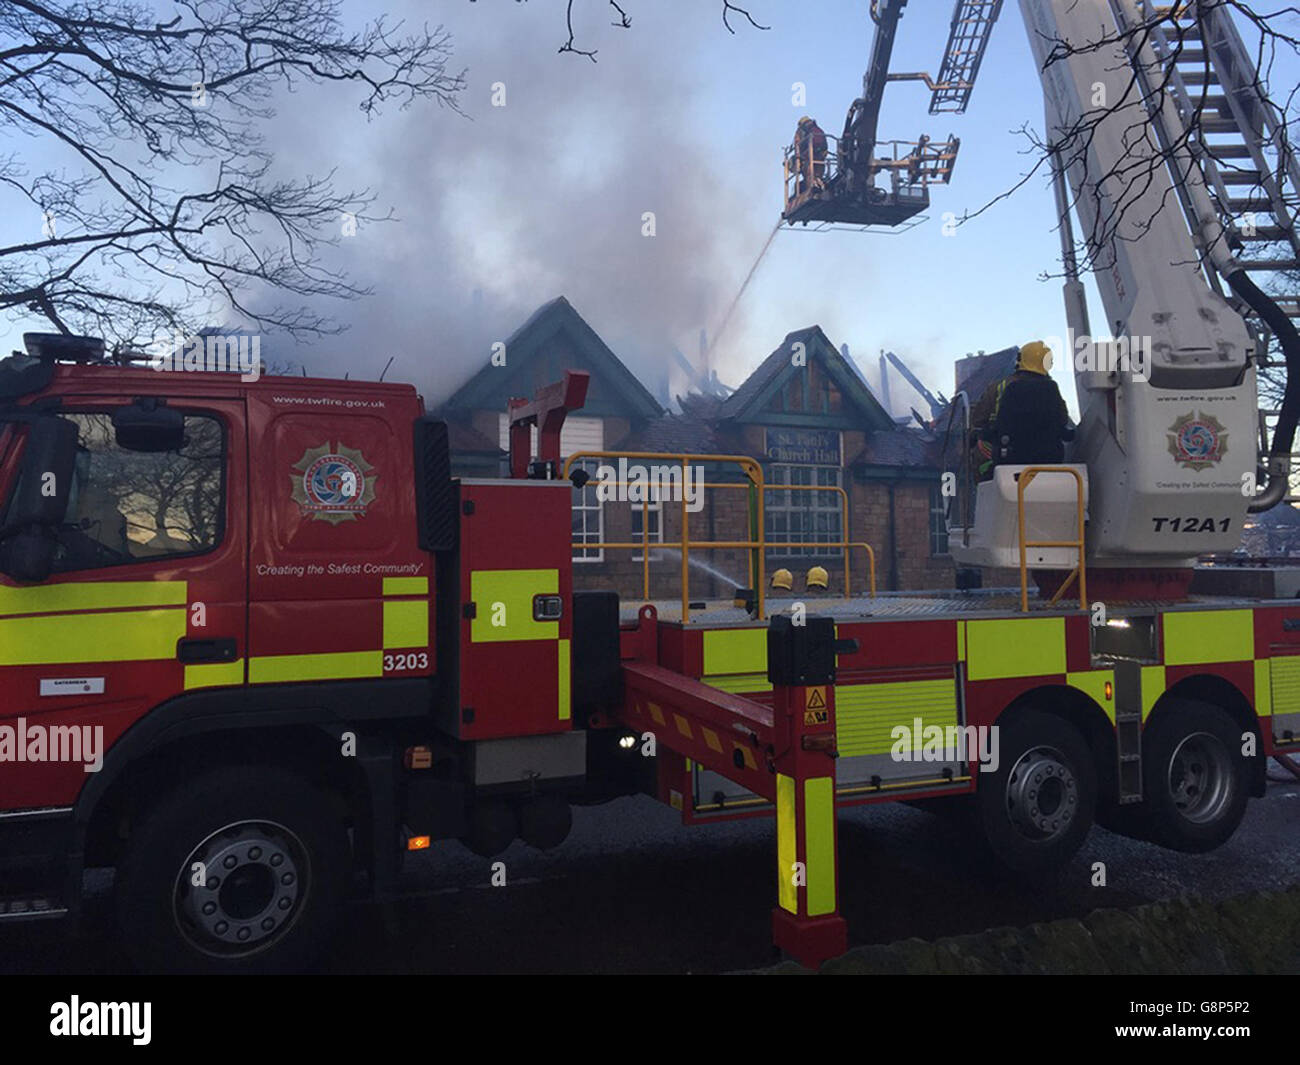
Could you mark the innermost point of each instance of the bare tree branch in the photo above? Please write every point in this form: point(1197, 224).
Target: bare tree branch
point(728, 7)
point(624, 22)
point(161, 212)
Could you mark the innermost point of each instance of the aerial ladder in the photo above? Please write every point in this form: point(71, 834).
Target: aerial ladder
point(1162, 469)
point(1252, 176)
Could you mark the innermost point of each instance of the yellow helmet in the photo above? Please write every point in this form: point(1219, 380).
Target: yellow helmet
point(817, 578)
point(1036, 357)
point(783, 579)
point(805, 120)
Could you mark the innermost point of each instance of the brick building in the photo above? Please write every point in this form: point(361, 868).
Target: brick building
point(836, 465)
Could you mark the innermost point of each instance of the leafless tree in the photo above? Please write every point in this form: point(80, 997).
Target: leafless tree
point(1141, 81)
point(152, 206)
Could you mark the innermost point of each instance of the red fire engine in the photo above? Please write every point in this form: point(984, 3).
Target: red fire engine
point(255, 639)
point(328, 652)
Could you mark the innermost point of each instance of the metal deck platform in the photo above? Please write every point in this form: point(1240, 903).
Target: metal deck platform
point(990, 602)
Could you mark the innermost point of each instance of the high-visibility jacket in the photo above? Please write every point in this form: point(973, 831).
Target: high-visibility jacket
point(1027, 410)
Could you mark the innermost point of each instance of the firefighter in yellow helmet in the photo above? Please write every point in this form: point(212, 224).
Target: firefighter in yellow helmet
point(1021, 419)
point(817, 578)
point(783, 579)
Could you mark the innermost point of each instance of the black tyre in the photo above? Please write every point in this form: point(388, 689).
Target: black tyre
point(1194, 776)
point(1037, 807)
point(276, 859)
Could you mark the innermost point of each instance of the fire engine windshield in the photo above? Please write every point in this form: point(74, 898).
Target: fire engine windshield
point(127, 506)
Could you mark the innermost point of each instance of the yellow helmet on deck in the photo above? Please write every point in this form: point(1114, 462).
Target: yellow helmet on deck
point(817, 578)
point(783, 579)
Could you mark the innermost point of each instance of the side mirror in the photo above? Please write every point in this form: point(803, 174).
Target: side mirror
point(40, 500)
point(146, 425)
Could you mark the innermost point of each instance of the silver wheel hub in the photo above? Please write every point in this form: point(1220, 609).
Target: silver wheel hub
point(1200, 777)
point(1042, 794)
point(249, 884)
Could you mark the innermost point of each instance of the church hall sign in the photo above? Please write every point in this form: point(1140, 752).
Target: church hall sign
point(803, 447)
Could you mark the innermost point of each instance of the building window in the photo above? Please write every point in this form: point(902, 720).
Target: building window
point(938, 522)
point(588, 517)
point(801, 515)
point(648, 517)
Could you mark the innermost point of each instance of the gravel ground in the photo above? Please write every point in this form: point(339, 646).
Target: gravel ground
point(632, 890)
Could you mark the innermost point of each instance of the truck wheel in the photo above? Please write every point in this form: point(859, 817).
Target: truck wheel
point(275, 863)
point(1037, 807)
point(1194, 777)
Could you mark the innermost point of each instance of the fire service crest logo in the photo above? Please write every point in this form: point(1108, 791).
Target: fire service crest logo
point(1197, 441)
point(333, 485)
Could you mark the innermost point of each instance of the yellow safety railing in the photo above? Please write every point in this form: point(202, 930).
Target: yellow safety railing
point(842, 544)
point(1080, 570)
point(757, 545)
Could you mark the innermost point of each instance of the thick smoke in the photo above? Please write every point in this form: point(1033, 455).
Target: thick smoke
point(546, 196)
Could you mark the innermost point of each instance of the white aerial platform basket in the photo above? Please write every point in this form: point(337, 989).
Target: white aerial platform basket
point(1051, 515)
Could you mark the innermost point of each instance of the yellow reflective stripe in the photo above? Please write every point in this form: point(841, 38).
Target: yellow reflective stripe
point(129, 636)
point(786, 894)
point(214, 674)
point(735, 651)
point(406, 623)
point(503, 600)
point(1196, 636)
point(1153, 686)
point(406, 586)
point(90, 595)
point(565, 680)
point(1263, 687)
point(961, 641)
point(342, 665)
point(1015, 647)
point(819, 844)
point(867, 714)
point(1093, 682)
point(740, 682)
point(1284, 685)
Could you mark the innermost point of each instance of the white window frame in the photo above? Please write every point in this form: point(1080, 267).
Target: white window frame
point(653, 512)
point(807, 505)
point(585, 504)
point(939, 523)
